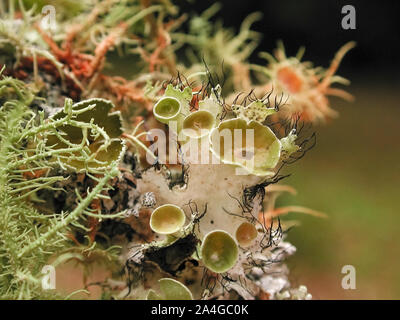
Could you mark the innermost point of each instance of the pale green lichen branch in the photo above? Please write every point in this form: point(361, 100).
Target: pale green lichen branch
point(74, 215)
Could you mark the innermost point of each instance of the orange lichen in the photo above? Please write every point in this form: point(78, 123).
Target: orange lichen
point(263, 295)
point(82, 65)
point(273, 191)
point(158, 58)
point(290, 80)
point(308, 87)
point(124, 92)
point(35, 173)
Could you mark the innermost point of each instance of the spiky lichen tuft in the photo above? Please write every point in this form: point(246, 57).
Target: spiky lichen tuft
point(28, 238)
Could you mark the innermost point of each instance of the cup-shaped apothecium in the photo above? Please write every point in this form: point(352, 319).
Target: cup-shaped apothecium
point(167, 219)
point(170, 290)
point(219, 251)
point(167, 109)
point(246, 233)
point(250, 145)
point(198, 124)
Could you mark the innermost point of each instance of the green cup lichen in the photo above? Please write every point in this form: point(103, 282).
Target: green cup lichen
point(198, 124)
point(170, 290)
point(167, 109)
point(257, 157)
point(219, 251)
point(167, 219)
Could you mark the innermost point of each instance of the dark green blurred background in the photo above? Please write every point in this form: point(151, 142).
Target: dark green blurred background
point(353, 175)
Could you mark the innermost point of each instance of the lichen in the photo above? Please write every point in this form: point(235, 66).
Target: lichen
point(165, 174)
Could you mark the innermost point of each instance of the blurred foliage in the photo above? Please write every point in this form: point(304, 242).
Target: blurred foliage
point(359, 177)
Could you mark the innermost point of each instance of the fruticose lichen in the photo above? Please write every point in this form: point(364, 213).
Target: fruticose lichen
point(167, 177)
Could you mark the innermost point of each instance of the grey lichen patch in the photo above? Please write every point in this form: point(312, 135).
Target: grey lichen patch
point(214, 186)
